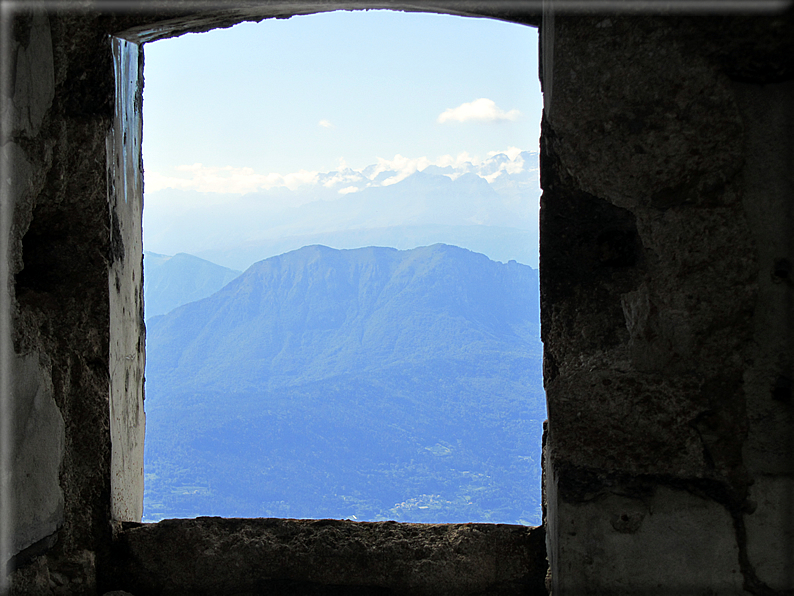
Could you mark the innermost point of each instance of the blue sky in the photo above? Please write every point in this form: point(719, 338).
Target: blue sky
point(231, 115)
point(269, 103)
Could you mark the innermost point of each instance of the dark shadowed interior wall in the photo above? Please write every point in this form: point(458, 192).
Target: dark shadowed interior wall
point(667, 243)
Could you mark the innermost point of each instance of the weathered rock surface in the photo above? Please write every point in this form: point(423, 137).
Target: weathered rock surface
point(666, 280)
point(661, 220)
point(214, 556)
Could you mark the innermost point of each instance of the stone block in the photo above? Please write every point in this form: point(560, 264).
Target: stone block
point(38, 448)
point(34, 80)
point(207, 556)
point(770, 531)
point(672, 542)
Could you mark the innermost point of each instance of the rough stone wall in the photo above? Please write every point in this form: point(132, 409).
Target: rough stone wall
point(666, 204)
point(666, 257)
point(125, 278)
point(768, 114)
point(73, 251)
point(61, 102)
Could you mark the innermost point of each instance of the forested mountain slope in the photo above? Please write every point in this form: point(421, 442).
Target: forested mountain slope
point(369, 383)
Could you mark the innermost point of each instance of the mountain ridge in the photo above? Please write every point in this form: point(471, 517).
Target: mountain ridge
point(367, 383)
point(345, 299)
point(173, 280)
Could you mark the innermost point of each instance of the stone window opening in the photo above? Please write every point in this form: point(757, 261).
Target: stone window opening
point(520, 549)
point(666, 215)
point(503, 485)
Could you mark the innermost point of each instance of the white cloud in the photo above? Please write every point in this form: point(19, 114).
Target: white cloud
point(340, 178)
point(403, 166)
point(491, 177)
point(511, 152)
point(156, 181)
point(226, 179)
point(325, 124)
point(462, 161)
point(296, 179)
point(480, 110)
point(232, 180)
point(514, 166)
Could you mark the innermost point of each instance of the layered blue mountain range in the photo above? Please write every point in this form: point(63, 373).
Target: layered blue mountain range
point(171, 281)
point(368, 383)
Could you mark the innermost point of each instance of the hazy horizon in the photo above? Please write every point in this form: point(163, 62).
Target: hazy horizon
point(251, 132)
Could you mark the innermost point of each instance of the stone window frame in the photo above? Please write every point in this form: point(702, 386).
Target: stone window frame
point(125, 201)
point(596, 498)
